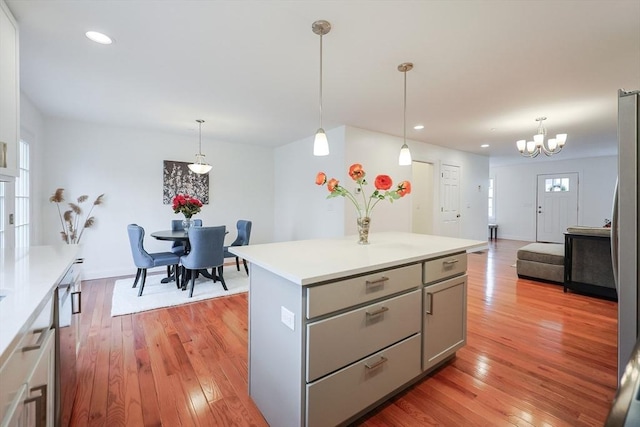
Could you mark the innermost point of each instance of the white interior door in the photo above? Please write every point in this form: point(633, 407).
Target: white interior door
point(557, 206)
point(450, 200)
point(422, 198)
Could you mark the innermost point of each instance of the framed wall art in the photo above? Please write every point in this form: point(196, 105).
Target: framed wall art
point(177, 178)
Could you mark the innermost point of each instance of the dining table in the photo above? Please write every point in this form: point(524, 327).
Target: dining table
point(180, 236)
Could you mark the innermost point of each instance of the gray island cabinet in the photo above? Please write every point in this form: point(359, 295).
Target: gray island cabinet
point(336, 328)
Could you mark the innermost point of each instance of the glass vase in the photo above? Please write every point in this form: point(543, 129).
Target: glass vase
point(363, 230)
point(186, 224)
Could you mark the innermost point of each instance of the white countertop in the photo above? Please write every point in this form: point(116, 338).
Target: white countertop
point(27, 277)
point(306, 262)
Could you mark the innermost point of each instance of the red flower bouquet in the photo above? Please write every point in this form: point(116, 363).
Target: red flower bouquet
point(186, 205)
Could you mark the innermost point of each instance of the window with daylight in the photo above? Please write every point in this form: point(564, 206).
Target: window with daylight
point(556, 184)
point(22, 196)
point(492, 213)
point(1, 215)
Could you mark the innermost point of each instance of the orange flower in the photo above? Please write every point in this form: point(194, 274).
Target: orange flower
point(321, 178)
point(356, 172)
point(404, 188)
point(333, 183)
point(383, 182)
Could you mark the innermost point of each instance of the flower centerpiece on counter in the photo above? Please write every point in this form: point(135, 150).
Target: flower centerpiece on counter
point(383, 184)
point(73, 225)
point(186, 205)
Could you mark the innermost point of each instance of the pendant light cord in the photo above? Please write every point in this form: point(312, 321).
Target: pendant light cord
point(404, 124)
point(200, 136)
point(320, 80)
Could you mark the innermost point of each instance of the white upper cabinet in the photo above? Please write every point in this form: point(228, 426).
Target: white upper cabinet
point(9, 94)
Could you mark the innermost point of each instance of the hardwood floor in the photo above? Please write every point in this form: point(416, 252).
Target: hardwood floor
point(535, 356)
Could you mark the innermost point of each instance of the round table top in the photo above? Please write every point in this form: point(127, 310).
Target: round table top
point(175, 236)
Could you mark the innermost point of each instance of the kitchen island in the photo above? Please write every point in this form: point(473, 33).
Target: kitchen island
point(336, 328)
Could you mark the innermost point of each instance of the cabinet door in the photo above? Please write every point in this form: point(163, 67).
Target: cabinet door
point(445, 321)
point(41, 386)
point(9, 92)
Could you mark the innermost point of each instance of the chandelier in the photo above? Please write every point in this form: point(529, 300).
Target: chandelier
point(200, 166)
point(537, 146)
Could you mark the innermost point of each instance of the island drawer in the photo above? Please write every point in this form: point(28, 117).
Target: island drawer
point(335, 296)
point(445, 267)
point(340, 340)
point(343, 394)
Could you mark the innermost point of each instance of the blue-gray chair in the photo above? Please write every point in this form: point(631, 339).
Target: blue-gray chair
point(206, 252)
point(244, 233)
point(178, 248)
point(144, 259)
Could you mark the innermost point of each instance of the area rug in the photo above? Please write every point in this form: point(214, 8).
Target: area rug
point(157, 295)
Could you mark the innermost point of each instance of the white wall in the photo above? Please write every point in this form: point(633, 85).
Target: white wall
point(516, 193)
point(378, 154)
point(126, 165)
point(301, 208)
point(303, 212)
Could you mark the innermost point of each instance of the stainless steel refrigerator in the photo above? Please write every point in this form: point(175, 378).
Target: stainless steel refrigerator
point(625, 410)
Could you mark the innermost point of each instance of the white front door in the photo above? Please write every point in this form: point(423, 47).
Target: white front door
point(557, 206)
point(422, 198)
point(450, 200)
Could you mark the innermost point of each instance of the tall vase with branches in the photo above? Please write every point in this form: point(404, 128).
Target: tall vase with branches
point(72, 221)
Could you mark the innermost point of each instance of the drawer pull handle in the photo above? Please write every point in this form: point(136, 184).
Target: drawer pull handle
point(378, 311)
point(41, 405)
point(378, 363)
point(430, 309)
point(76, 296)
point(377, 281)
point(450, 262)
point(38, 343)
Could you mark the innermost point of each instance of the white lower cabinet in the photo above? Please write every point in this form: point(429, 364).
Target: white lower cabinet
point(445, 320)
point(343, 394)
point(27, 378)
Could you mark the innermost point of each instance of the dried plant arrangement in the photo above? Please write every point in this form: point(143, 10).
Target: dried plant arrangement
point(71, 220)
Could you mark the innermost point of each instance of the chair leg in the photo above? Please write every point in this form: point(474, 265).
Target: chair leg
point(244, 261)
point(135, 282)
point(144, 279)
point(193, 283)
point(237, 264)
point(176, 274)
point(168, 271)
point(221, 277)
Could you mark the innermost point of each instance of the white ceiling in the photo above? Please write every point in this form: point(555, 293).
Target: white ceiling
point(250, 69)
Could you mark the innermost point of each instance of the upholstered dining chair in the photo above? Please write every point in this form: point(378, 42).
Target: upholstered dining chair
point(178, 248)
point(144, 260)
point(244, 233)
point(206, 252)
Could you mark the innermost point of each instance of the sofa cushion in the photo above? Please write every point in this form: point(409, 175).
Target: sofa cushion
point(546, 253)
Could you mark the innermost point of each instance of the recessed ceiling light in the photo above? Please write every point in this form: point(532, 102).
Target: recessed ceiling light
point(484, 145)
point(418, 127)
point(98, 37)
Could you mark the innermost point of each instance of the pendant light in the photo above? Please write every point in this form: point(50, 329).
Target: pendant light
point(320, 143)
point(200, 166)
point(404, 159)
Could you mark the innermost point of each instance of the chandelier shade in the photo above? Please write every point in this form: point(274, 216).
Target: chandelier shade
point(404, 159)
point(200, 166)
point(537, 145)
point(320, 142)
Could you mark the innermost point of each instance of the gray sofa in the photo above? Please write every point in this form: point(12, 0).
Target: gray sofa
point(588, 266)
point(582, 264)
